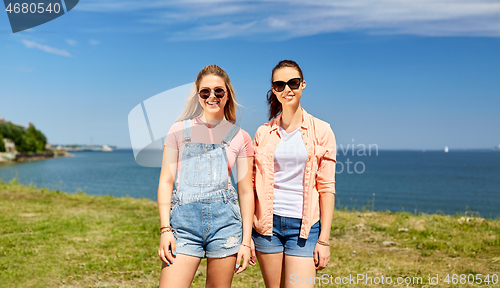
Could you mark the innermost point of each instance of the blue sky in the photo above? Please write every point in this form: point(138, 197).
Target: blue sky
point(399, 74)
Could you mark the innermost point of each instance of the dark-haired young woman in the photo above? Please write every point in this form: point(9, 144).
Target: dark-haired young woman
point(295, 156)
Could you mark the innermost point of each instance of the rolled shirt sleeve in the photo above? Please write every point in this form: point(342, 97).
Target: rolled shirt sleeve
point(325, 177)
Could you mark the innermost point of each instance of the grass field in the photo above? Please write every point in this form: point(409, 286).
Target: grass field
point(55, 239)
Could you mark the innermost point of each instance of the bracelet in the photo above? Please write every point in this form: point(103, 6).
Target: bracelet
point(323, 243)
point(165, 229)
point(245, 245)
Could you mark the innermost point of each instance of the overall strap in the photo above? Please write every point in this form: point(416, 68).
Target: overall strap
point(186, 127)
point(235, 128)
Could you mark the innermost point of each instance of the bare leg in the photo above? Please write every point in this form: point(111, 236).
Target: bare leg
point(220, 271)
point(271, 267)
point(181, 273)
point(299, 272)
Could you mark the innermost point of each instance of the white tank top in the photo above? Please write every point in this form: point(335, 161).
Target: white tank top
point(290, 159)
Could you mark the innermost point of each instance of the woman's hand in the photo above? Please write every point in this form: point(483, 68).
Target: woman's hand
point(166, 252)
point(243, 254)
point(321, 256)
point(252, 252)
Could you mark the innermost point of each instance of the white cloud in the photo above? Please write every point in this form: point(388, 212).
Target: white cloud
point(48, 49)
point(210, 19)
point(71, 42)
point(94, 42)
point(219, 31)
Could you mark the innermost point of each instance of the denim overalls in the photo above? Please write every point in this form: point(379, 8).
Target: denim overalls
point(205, 211)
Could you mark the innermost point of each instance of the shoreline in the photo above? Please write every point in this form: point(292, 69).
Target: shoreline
point(361, 209)
point(6, 157)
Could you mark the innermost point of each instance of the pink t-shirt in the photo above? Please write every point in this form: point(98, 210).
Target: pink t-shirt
point(201, 132)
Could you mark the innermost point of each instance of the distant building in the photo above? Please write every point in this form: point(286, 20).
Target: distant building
point(48, 146)
point(10, 147)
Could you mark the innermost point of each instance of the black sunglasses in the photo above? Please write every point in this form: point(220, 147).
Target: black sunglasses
point(205, 93)
point(294, 83)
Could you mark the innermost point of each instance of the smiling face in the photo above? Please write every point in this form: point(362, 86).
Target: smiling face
point(288, 97)
point(213, 106)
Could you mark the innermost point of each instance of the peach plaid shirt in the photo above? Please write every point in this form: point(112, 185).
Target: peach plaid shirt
point(319, 174)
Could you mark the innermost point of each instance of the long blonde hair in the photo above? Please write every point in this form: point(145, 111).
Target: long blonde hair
point(193, 108)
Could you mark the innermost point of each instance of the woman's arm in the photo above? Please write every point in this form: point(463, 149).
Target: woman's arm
point(326, 206)
point(325, 183)
point(165, 187)
point(247, 205)
point(322, 252)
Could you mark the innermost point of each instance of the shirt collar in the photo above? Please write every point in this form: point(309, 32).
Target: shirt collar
point(277, 121)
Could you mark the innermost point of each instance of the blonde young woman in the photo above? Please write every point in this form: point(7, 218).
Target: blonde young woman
point(295, 156)
point(199, 212)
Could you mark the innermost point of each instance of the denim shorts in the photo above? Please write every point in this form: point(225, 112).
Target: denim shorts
point(285, 238)
point(208, 226)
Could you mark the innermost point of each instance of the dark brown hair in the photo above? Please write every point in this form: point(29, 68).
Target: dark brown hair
point(274, 105)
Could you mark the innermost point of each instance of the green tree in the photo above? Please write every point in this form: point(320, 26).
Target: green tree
point(26, 140)
point(13, 132)
point(33, 140)
point(2, 145)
